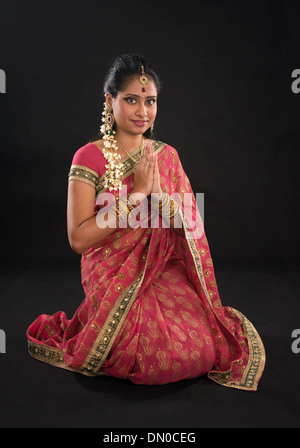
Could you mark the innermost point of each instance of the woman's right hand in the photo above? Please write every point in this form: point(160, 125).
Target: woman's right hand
point(143, 177)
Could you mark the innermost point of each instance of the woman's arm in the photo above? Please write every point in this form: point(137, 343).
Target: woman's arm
point(83, 231)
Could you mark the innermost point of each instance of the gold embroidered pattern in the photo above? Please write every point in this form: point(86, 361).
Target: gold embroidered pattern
point(47, 354)
point(51, 356)
point(257, 355)
point(129, 164)
point(111, 328)
point(104, 341)
point(84, 174)
point(91, 177)
point(255, 364)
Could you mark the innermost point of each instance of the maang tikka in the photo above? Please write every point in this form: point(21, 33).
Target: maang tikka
point(143, 78)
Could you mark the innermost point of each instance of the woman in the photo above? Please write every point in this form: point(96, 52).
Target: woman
point(152, 312)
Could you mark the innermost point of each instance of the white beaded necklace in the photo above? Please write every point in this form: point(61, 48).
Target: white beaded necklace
point(114, 169)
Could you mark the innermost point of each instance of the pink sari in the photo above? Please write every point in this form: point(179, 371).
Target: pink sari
point(152, 313)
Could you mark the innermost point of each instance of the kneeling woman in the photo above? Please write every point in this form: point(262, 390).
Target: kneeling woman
point(152, 313)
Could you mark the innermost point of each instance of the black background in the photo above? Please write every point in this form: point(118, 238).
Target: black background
point(228, 108)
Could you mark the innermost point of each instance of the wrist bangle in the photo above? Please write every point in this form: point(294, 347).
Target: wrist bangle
point(160, 201)
point(130, 205)
point(170, 210)
point(121, 210)
point(166, 206)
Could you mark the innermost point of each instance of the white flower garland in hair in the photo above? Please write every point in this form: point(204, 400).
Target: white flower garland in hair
point(114, 169)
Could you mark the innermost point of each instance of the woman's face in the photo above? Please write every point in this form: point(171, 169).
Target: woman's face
point(135, 107)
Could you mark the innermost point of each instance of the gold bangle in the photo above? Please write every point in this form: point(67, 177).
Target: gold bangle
point(121, 210)
point(170, 209)
point(130, 205)
point(159, 202)
point(165, 203)
point(123, 205)
point(166, 206)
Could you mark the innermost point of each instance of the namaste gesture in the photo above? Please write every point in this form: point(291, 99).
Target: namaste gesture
point(147, 178)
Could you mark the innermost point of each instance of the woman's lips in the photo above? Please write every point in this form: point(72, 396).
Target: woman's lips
point(139, 122)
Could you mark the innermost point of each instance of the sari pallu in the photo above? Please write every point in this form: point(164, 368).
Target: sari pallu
point(152, 313)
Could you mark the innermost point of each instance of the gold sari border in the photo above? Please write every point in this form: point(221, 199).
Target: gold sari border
point(52, 356)
point(257, 355)
point(112, 326)
point(84, 174)
point(195, 255)
point(256, 360)
point(129, 164)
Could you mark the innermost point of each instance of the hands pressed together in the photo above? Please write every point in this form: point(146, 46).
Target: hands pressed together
point(147, 178)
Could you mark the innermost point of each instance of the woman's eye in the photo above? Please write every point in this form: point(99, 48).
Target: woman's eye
point(130, 100)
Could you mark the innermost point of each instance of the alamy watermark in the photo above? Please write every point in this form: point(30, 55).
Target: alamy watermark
point(2, 341)
point(2, 81)
point(296, 343)
point(296, 84)
point(138, 215)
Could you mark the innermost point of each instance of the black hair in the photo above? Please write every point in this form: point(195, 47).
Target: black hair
point(125, 66)
point(121, 69)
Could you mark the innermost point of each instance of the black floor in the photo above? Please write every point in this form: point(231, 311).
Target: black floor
point(37, 395)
